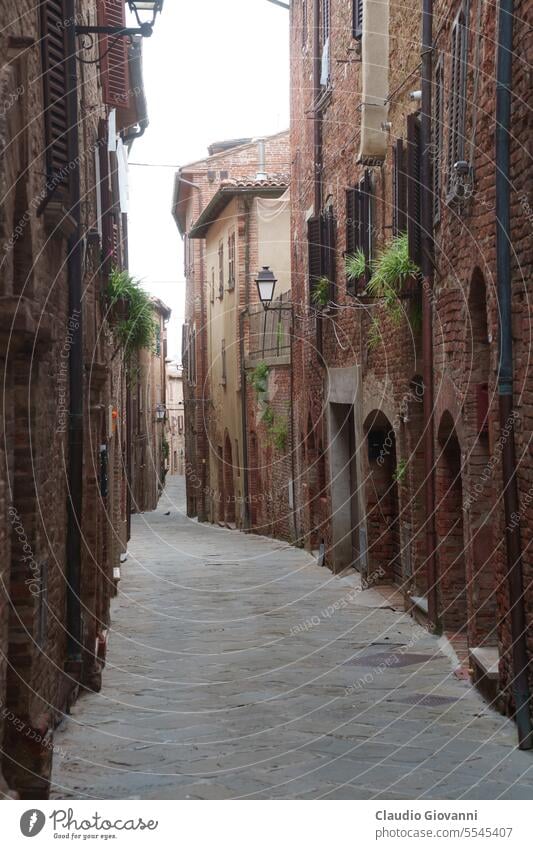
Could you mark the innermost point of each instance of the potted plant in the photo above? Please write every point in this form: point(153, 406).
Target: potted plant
point(320, 293)
point(355, 267)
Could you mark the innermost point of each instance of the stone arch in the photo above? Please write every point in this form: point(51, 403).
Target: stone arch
point(381, 498)
point(452, 576)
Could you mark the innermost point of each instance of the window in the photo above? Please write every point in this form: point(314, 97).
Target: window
point(223, 361)
point(357, 6)
point(56, 113)
point(212, 287)
point(457, 96)
point(180, 424)
point(231, 261)
point(359, 223)
point(305, 32)
point(399, 189)
point(322, 248)
point(414, 228)
point(221, 270)
point(188, 352)
point(326, 28)
point(114, 73)
point(438, 128)
point(158, 340)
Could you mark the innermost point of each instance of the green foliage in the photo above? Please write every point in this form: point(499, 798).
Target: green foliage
point(374, 335)
point(268, 417)
point(400, 472)
point(166, 449)
point(258, 377)
point(320, 293)
point(355, 266)
point(139, 329)
point(280, 433)
point(391, 268)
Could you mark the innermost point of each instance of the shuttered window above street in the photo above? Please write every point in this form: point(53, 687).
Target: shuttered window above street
point(54, 53)
point(414, 228)
point(438, 137)
point(359, 225)
point(399, 189)
point(357, 18)
point(322, 250)
point(457, 97)
point(114, 73)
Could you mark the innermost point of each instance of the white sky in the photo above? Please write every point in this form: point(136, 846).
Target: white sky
point(213, 69)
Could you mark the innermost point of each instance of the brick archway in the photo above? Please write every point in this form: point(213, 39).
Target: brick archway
point(381, 497)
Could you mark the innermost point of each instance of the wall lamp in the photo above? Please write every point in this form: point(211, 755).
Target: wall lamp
point(139, 8)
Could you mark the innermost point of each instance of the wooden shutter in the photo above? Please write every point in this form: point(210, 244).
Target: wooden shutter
point(366, 221)
point(352, 220)
point(438, 126)
point(108, 235)
point(413, 188)
point(482, 407)
point(399, 190)
point(328, 224)
point(55, 85)
point(314, 248)
point(357, 18)
point(456, 103)
point(326, 20)
point(114, 72)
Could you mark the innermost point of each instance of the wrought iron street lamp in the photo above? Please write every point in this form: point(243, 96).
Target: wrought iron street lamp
point(266, 283)
point(145, 12)
point(160, 412)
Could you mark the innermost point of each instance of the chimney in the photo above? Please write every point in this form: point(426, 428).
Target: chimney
point(261, 164)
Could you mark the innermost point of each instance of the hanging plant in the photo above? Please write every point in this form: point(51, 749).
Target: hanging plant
point(400, 472)
point(355, 266)
point(258, 378)
point(280, 433)
point(136, 326)
point(320, 293)
point(392, 268)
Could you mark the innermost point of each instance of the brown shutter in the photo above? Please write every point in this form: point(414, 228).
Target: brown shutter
point(56, 113)
point(357, 22)
point(114, 73)
point(314, 255)
point(438, 126)
point(352, 220)
point(413, 188)
point(399, 207)
point(107, 213)
point(329, 248)
point(366, 222)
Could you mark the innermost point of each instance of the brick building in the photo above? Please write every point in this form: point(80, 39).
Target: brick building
point(65, 127)
point(148, 416)
point(221, 206)
point(400, 468)
point(175, 420)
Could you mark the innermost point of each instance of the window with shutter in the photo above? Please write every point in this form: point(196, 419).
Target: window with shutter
point(438, 126)
point(399, 194)
point(231, 261)
point(326, 20)
point(221, 270)
point(413, 187)
point(357, 13)
point(114, 73)
point(304, 23)
point(55, 84)
point(456, 102)
point(314, 248)
point(367, 220)
point(352, 220)
point(328, 224)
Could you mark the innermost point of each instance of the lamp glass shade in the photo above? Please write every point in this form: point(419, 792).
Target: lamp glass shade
point(266, 283)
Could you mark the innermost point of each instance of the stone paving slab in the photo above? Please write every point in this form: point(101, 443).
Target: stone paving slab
point(237, 668)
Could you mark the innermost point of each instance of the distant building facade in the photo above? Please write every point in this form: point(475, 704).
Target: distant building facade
point(175, 421)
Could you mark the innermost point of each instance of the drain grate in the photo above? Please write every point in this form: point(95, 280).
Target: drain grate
point(427, 700)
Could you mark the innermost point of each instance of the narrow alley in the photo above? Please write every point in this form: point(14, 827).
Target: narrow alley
point(237, 668)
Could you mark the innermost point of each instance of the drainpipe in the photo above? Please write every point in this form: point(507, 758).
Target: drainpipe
point(521, 691)
point(427, 261)
point(317, 113)
point(75, 438)
point(202, 340)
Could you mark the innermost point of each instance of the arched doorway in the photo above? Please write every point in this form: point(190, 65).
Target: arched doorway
point(381, 496)
point(479, 499)
point(229, 486)
point(452, 578)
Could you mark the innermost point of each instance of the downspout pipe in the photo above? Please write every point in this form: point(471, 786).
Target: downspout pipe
point(520, 686)
point(244, 409)
point(427, 266)
point(75, 435)
point(317, 113)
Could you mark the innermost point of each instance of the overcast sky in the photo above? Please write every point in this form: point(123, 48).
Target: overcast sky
point(213, 69)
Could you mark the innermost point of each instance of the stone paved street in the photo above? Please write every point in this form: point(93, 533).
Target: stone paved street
point(237, 668)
